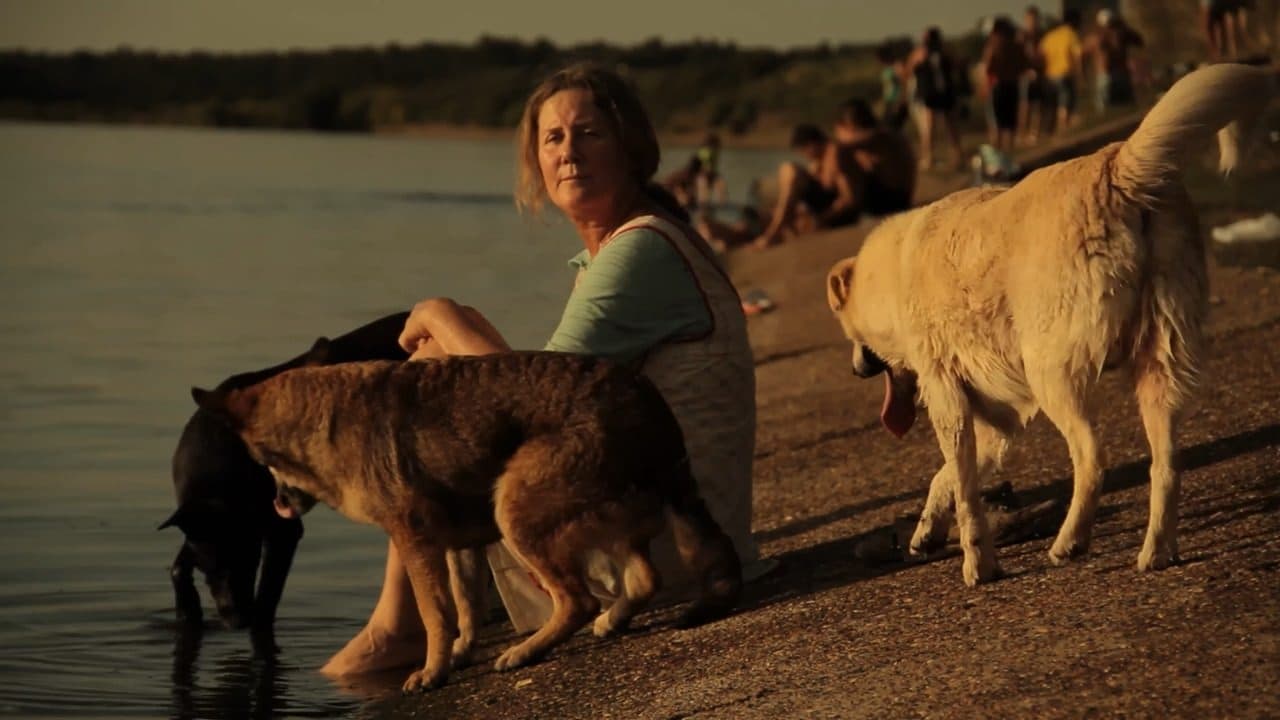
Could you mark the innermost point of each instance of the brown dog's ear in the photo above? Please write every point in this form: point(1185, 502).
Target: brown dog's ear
point(231, 406)
point(839, 280)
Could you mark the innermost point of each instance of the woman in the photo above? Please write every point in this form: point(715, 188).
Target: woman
point(1004, 64)
point(935, 91)
point(648, 292)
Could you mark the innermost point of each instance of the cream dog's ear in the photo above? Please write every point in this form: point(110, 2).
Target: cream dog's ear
point(839, 280)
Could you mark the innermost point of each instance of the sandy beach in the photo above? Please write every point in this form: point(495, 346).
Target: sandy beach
point(845, 629)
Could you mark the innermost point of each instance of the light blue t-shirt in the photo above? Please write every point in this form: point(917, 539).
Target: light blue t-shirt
point(637, 292)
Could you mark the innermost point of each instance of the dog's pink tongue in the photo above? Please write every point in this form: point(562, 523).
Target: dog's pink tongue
point(283, 510)
point(899, 409)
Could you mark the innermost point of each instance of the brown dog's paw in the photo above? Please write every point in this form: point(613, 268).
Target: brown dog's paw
point(514, 657)
point(460, 655)
point(604, 626)
point(424, 679)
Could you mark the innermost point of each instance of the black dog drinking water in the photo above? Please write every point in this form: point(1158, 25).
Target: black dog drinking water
point(225, 499)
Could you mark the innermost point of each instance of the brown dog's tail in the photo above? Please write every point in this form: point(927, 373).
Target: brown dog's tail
point(1226, 98)
point(705, 549)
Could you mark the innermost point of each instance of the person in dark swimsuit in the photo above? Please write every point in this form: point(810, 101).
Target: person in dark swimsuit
point(884, 178)
point(864, 169)
point(823, 185)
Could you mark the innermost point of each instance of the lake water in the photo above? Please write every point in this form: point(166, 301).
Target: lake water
point(139, 262)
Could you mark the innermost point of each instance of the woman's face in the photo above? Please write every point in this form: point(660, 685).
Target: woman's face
point(581, 158)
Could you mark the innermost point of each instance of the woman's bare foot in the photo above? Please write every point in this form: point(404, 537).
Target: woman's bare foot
point(373, 650)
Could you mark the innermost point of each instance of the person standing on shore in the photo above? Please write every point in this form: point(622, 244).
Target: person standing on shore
point(1110, 47)
point(1004, 64)
point(648, 293)
point(933, 72)
point(1032, 90)
point(893, 87)
point(1063, 68)
point(1225, 24)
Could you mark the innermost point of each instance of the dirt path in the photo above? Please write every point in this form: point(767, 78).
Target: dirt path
point(829, 635)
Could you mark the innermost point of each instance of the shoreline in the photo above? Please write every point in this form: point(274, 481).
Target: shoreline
point(768, 138)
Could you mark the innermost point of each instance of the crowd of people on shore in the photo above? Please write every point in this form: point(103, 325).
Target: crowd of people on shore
point(1029, 84)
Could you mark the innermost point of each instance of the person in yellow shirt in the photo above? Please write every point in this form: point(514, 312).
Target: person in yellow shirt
point(1062, 51)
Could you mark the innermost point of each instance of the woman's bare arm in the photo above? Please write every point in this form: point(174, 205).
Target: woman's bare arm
point(442, 326)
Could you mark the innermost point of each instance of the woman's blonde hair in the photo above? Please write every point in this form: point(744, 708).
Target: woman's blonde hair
point(615, 98)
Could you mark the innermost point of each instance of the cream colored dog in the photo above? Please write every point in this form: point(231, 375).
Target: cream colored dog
point(1000, 303)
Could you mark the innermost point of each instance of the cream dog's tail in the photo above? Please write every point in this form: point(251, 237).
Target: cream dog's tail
point(1225, 98)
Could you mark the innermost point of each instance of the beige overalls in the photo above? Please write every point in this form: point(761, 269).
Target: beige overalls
point(709, 382)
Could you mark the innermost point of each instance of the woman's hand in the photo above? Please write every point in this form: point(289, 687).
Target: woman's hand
point(421, 318)
point(428, 350)
point(440, 326)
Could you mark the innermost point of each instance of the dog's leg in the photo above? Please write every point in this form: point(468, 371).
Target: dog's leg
point(935, 519)
point(542, 532)
point(640, 581)
point(559, 571)
point(931, 530)
point(428, 572)
point(1161, 546)
point(1067, 405)
point(953, 423)
point(466, 578)
point(280, 545)
point(186, 599)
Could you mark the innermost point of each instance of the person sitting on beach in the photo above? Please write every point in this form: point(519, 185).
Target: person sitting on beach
point(865, 168)
point(725, 234)
point(823, 186)
point(884, 179)
point(709, 184)
point(682, 184)
point(698, 184)
point(648, 292)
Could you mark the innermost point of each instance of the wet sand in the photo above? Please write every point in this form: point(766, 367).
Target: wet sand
point(844, 629)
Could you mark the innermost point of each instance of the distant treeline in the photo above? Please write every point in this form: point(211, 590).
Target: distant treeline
point(686, 86)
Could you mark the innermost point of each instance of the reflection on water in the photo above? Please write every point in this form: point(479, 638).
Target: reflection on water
point(140, 262)
point(252, 683)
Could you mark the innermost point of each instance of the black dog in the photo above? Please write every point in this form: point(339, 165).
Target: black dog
point(225, 499)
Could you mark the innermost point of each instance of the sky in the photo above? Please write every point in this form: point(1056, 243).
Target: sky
point(247, 25)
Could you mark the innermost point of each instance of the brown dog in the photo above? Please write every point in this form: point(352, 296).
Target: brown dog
point(557, 454)
point(1001, 303)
